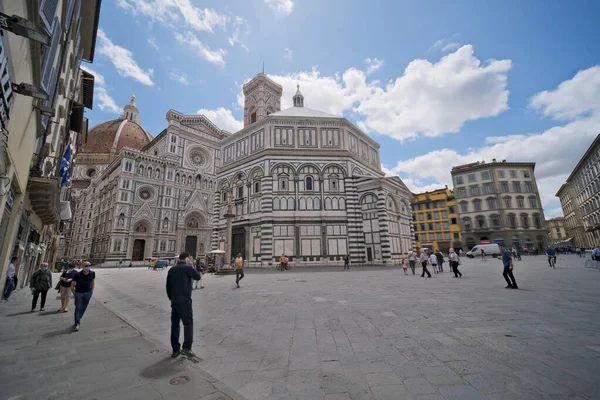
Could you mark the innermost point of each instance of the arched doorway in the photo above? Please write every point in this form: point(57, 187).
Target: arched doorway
point(191, 243)
point(139, 245)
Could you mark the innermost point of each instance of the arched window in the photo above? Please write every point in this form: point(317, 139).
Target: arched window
point(480, 221)
point(141, 170)
point(157, 173)
point(177, 177)
point(166, 224)
point(525, 220)
point(128, 166)
point(309, 183)
point(121, 220)
point(149, 173)
point(189, 180)
point(467, 223)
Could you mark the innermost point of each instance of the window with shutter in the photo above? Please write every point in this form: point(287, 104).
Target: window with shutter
point(50, 56)
point(48, 12)
point(70, 11)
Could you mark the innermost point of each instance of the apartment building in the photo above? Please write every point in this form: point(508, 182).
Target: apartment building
point(44, 94)
point(435, 219)
point(580, 199)
point(499, 202)
point(557, 234)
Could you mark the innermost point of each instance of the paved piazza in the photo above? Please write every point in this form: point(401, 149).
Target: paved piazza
point(377, 334)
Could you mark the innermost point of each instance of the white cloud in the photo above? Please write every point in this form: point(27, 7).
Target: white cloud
point(101, 97)
point(282, 6)
point(288, 54)
point(443, 45)
point(555, 151)
point(373, 65)
point(572, 98)
point(212, 56)
point(450, 47)
point(241, 30)
point(434, 99)
point(179, 77)
point(428, 99)
point(223, 118)
point(123, 60)
point(152, 43)
point(176, 12)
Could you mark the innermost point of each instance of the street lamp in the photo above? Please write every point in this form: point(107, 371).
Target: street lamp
point(4, 182)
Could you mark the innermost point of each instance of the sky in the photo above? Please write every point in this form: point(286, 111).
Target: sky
point(436, 83)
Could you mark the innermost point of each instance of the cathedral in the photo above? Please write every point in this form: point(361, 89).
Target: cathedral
point(302, 183)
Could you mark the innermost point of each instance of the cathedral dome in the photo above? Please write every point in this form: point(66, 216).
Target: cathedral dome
point(111, 136)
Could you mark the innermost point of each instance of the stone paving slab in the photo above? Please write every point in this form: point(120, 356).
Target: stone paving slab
point(378, 334)
point(42, 358)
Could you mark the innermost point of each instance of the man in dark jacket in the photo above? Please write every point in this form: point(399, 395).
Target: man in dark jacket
point(179, 291)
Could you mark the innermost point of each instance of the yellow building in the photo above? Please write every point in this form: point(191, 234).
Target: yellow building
point(435, 217)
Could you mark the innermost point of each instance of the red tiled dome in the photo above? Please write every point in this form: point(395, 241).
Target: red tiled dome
point(101, 139)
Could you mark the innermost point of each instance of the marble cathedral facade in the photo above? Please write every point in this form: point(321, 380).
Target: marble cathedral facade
point(302, 182)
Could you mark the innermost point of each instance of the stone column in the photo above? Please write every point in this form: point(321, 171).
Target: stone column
point(228, 230)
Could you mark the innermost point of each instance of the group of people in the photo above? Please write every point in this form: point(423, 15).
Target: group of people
point(80, 284)
point(434, 259)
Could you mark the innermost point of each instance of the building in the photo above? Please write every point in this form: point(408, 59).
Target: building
point(580, 199)
point(302, 182)
point(44, 94)
point(557, 234)
point(499, 202)
point(435, 218)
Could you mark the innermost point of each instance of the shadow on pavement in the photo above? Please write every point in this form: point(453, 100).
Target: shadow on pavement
point(19, 313)
point(163, 369)
point(58, 333)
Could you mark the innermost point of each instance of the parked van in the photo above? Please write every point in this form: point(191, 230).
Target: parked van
point(489, 249)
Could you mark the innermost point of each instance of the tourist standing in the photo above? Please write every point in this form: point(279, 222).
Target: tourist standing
point(482, 255)
point(440, 260)
point(179, 292)
point(454, 262)
point(508, 269)
point(199, 270)
point(424, 265)
point(65, 287)
point(596, 253)
point(239, 269)
point(412, 259)
point(82, 287)
point(347, 263)
point(11, 279)
point(41, 282)
point(433, 261)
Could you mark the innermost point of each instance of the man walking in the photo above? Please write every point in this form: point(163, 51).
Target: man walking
point(41, 282)
point(424, 265)
point(440, 260)
point(453, 257)
point(239, 269)
point(179, 291)
point(508, 267)
point(10, 279)
point(412, 259)
point(82, 287)
point(347, 262)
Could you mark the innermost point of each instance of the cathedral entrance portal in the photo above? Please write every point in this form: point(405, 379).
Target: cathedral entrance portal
point(139, 245)
point(238, 244)
point(191, 243)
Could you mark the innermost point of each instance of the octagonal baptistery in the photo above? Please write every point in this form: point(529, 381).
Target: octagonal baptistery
point(308, 185)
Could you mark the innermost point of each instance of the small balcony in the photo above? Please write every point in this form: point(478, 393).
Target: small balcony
point(43, 188)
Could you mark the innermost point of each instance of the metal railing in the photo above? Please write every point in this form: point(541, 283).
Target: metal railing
point(45, 167)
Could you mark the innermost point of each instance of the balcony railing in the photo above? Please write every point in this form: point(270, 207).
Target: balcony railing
point(43, 187)
point(45, 167)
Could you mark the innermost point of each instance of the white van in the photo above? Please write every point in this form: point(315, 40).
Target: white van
point(489, 249)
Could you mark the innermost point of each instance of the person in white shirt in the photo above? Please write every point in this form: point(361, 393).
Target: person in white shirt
point(433, 261)
point(10, 279)
point(412, 259)
point(424, 260)
point(454, 263)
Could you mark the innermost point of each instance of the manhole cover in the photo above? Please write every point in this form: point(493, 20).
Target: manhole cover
point(179, 380)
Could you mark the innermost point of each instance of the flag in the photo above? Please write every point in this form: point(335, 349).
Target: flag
point(65, 167)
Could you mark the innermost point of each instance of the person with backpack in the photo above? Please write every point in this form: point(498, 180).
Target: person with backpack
point(440, 260)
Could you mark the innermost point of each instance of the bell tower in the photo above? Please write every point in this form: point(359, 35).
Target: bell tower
point(262, 97)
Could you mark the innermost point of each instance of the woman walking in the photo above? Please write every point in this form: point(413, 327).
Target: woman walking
point(440, 260)
point(41, 282)
point(65, 287)
point(454, 263)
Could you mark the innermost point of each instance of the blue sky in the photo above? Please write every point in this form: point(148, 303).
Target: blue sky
point(437, 83)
